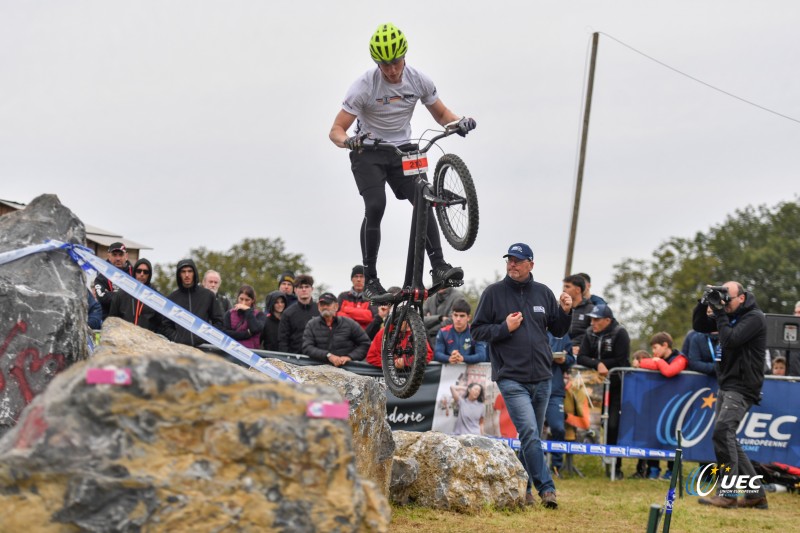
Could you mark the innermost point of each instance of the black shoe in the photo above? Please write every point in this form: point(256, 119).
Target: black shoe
point(445, 272)
point(374, 292)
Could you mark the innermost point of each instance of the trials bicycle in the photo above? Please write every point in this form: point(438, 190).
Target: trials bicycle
point(452, 195)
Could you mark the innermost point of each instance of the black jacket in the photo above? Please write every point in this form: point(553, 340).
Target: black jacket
point(128, 308)
point(293, 324)
point(269, 335)
point(612, 347)
point(581, 322)
point(199, 301)
point(104, 290)
point(743, 339)
point(343, 337)
point(523, 355)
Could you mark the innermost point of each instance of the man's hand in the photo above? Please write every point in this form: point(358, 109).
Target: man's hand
point(602, 370)
point(355, 142)
point(339, 360)
point(456, 357)
point(635, 363)
point(559, 359)
point(513, 321)
point(383, 311)
point(466, 125)
point(566, 302)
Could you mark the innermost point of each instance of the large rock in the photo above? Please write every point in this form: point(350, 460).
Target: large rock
point(461, 473)
point(42, 305)
point(372, 435)
point(194, 443)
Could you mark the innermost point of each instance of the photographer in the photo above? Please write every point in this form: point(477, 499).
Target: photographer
point(739, 361)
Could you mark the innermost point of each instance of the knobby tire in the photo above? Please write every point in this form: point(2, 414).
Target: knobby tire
point(459, 222)
point(403, 383)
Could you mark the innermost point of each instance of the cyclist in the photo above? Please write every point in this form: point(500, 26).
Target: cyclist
point(382, 102)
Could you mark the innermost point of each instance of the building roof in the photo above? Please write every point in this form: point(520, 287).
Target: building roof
point(101, 236)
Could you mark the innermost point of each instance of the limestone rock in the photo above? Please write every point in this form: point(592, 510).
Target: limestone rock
point(405, 471)
point(119, 337)
point(372, 435)
point(194, 443)
point(42, 305)
point(457, 473)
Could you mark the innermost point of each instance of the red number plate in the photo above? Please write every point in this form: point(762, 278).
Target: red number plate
point(415, 164)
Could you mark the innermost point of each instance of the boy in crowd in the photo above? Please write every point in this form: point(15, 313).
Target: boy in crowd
point(454, 342)
point(670, 362)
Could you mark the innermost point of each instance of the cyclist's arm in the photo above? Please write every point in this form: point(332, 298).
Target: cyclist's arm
point(341, 124)
point(440, 113)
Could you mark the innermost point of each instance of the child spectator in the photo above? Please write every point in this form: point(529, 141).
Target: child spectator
point(670, 362)
point(779, 366)
point(454, 342)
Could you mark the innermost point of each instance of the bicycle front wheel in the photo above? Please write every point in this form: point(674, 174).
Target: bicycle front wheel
point(453, 182)
point(404, 353)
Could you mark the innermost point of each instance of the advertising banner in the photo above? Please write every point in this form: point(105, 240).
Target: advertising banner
point(655, 407)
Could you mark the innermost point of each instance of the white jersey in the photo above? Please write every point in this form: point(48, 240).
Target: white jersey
point(385, 109)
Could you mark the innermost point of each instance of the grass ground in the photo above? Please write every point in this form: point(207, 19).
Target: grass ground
point(595, 504)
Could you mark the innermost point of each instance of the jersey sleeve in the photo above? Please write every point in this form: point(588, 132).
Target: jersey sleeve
point(428, 91)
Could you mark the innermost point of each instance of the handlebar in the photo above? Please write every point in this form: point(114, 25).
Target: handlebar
point(379, 144)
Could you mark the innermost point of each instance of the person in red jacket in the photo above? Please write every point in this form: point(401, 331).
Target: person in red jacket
point(374, 353)
point(667, 360)
point(670, 362)
point(353, 304)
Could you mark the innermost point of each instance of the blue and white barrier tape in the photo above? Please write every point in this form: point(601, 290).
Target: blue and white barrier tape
point(156, 301)
point(605, 450)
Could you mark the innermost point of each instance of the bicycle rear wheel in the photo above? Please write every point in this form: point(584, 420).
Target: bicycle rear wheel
point(459, 222)
point(404, 353)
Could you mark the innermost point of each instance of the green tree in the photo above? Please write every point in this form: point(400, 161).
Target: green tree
point(256, 262)
point(758, 246)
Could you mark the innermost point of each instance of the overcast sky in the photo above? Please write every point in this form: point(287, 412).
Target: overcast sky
point(194, 123)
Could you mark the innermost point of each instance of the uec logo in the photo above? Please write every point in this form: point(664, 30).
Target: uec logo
point(689, 412)
point(703, 480)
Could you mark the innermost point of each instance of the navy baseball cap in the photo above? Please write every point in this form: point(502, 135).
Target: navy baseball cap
point(117, 247)
point(601, 311)
point(520, 250)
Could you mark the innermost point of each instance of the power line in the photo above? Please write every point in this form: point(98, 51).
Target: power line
point(701, 81)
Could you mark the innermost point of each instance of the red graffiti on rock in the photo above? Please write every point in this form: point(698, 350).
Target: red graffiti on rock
point(27, 364)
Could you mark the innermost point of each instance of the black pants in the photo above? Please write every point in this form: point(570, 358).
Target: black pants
point(372, 170)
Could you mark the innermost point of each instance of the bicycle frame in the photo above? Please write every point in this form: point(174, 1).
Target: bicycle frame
point(414, 290)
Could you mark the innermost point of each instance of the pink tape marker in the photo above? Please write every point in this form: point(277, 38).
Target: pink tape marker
point(328, 410)
point(108, 376)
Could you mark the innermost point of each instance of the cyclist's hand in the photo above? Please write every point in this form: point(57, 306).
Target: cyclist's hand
point(466, 125)
point(355, 142)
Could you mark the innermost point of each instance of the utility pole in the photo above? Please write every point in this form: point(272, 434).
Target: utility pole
point(582, 158)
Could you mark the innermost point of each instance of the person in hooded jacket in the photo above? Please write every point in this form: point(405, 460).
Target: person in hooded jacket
point(244, 322)
point(739, 358)
point(128, 308)
point(276, 305)
point(196, 299)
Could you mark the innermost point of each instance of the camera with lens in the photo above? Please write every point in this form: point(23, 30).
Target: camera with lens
point(716, 297)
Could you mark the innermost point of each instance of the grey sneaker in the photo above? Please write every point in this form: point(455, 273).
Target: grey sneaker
point(445, 272)
point(549, 500)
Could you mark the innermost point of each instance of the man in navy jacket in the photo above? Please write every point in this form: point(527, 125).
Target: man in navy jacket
point(514, 316)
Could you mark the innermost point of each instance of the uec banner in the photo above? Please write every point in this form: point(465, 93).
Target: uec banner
point(654, 408)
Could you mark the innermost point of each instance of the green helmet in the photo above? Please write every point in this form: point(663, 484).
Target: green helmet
point(387, 44)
